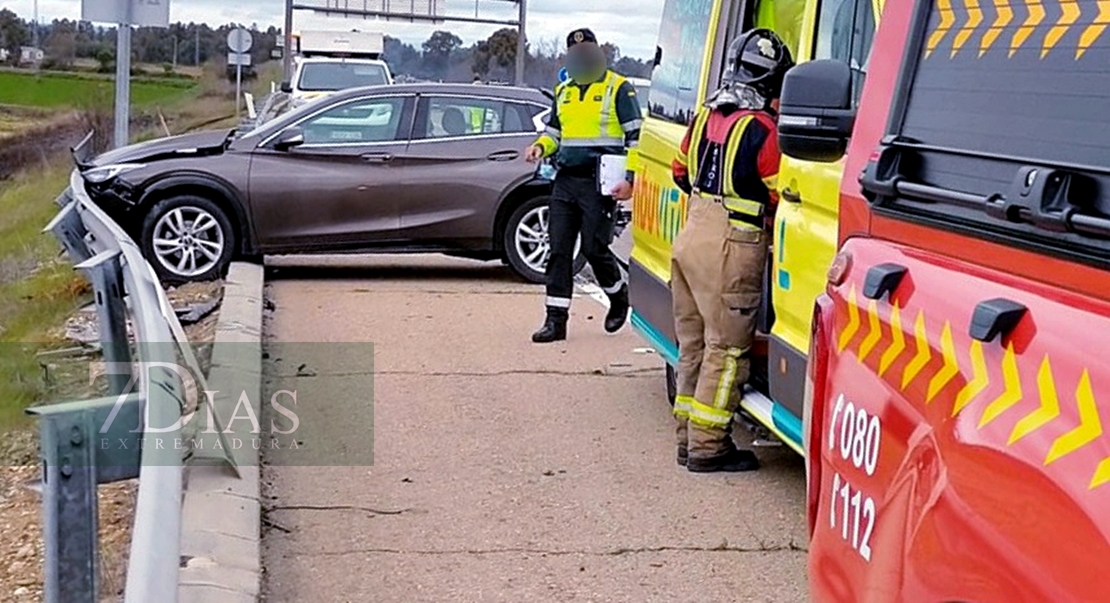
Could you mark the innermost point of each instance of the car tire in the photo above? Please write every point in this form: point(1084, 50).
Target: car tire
point(521, 247)
point(672, 384)
point(187, 238)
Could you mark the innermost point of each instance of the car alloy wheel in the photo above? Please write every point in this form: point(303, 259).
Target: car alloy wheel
point(533, 240)
point(188, 241)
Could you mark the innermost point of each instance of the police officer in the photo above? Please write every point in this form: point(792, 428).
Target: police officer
point(595, 113)
point(728, 164)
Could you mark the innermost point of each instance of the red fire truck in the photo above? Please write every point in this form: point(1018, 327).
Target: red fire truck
point(957, 423)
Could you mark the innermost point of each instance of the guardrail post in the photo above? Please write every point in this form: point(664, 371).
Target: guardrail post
point(104, 272)
point(77, 439)
point(70, 231)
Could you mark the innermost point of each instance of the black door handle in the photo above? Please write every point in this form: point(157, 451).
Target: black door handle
point(377, 157)
point(790, 195)
point(503, 156)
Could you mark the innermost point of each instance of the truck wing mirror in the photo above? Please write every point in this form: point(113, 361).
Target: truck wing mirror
point(815, 112)
point(287, 87)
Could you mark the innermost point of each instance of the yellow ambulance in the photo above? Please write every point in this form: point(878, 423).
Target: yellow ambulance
point(693, 39)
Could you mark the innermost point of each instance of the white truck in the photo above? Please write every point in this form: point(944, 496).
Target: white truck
point(328, 61)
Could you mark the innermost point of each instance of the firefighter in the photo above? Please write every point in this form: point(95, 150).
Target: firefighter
point(595, 113)
point(728, 164)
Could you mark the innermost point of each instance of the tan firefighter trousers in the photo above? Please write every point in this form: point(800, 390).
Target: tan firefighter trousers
point(716, 279)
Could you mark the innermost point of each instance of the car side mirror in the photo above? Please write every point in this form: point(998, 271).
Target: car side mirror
point(290, 138)
point(658, 57)
point(815, 112)
point(287, 87)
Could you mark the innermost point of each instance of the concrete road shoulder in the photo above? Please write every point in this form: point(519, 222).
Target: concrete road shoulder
point(220, 539)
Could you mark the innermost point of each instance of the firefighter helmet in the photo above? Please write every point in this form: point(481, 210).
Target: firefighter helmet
point(759, 59)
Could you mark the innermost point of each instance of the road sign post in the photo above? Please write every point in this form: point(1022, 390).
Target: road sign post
point(124, 14)
point(238, 43)
point(123, 83)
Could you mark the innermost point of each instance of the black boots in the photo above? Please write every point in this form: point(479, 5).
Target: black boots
point(618, 310)
point(555, 326)
point(553, 329)
point(733, 461)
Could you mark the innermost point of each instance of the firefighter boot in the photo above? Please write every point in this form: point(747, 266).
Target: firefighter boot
point(554, 327)
point(618, 310)
point(712, 450)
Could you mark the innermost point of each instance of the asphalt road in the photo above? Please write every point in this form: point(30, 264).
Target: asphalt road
point(503, 471)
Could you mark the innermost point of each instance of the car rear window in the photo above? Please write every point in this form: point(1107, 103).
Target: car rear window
point(340, 76)
point(990, 95)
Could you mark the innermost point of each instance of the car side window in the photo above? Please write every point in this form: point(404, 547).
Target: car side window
point(449, 117)
point(360, 121)
point(845, 29)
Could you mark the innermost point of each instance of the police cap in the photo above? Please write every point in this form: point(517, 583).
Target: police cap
point(581, 36)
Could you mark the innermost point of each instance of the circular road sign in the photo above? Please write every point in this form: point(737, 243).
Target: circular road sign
point(238, 40)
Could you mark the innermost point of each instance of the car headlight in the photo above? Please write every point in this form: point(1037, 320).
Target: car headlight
point(105, 173)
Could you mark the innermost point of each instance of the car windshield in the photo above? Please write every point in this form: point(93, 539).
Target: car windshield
point(340, 76)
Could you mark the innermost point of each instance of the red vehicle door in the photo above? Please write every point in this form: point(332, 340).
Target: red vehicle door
point(958, 416)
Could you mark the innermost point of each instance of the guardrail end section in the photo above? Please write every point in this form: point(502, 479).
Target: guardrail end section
point(83, 444)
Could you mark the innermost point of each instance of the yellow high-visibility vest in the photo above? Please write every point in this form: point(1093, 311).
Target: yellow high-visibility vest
point(586, 120)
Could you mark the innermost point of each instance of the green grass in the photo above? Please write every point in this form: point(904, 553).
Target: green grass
point(38, 289)
point(60, 90)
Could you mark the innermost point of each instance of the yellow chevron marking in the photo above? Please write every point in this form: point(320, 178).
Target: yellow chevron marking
point(1036, 15)
point(1070, 15)
point(924, 352)
point(1005, 16)
point(950, 369)
point(875, 331)
point(1095, 29)
point(947, 19)
point(1102, 474)
point(1049, 409)
point(979, 382)
point(1090, 425)
point(974, 18)
point(898, 345)
point(853, 321)
point(1012, 394)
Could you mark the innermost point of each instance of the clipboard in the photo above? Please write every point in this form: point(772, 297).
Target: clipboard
point(611, 171)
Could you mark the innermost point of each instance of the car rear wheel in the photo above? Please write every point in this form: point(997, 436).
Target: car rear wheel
point(527, 241)
point(187, 238)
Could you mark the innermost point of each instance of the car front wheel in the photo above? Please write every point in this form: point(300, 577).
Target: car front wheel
point(187, 238)
point(527, 241)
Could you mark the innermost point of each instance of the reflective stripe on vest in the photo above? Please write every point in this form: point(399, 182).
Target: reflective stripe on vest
point(729, 198)
point(590, 120)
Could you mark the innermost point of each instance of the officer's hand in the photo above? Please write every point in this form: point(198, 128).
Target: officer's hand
point(622, 191)
point(534, 153)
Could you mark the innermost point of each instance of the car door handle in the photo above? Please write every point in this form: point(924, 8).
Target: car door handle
point(377, 157)
point(503, 156)
point(790, 195)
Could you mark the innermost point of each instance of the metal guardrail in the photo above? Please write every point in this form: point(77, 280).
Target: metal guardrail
point(75, 460)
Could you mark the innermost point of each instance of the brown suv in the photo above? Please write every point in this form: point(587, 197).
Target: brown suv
point(406, 168)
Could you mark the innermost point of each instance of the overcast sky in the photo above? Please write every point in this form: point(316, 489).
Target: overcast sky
point(632, 24)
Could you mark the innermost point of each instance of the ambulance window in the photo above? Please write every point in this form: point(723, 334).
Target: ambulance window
point(675, 82)
point(844, 32)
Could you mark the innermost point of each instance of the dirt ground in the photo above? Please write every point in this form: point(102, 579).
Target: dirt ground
point(21, 544)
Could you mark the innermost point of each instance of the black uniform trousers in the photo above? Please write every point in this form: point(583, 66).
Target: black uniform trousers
point(577, 207)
